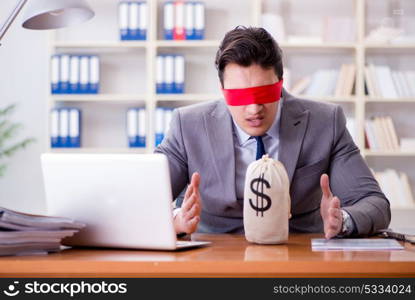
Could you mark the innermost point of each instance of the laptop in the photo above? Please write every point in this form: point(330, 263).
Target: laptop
point(125, 200)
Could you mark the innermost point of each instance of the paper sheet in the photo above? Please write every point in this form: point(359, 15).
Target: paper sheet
point(355, 244)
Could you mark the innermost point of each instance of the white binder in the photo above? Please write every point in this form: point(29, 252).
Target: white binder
point(54, 77)
point(64, 127)
point(132, 128)
point(64, 74)
point(94, 74)
point(54, 128)
point(84, 75)
point(123, 20)
point(179, 70)
point(169, 73)
point(74, 79)
point(142, 128)
point(74, 128)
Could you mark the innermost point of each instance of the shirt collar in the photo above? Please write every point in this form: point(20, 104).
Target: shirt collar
point(273, 131)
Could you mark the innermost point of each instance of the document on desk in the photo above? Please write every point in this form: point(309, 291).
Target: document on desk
point(355, 244)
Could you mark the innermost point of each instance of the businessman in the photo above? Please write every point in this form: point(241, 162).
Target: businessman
point(210, 145)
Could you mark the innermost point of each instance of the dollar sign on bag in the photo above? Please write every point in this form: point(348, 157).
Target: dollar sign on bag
point(259, 206)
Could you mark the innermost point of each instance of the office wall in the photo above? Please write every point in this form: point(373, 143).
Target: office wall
point(23, 72)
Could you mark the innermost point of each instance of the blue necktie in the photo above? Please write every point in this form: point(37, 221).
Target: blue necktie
point(260, 149)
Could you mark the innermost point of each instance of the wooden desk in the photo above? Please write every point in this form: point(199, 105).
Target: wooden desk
point(228, 256)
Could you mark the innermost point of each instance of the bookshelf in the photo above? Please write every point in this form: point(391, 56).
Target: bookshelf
point(221, 17)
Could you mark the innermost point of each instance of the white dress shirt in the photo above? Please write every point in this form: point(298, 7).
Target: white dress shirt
point(245, 149)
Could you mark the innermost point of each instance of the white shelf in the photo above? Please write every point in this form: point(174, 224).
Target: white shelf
point(188, 44)
point(324, 45)
point(345, 99)
point(99, 98)
point(100, 44)
point(389, 153)
point(187, 97)
point(390, 100)
point(99, 150)
point(383, 46)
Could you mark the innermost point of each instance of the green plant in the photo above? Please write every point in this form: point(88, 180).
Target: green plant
point(8, 132)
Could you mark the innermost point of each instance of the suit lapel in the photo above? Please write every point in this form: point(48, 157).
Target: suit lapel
point(218, 125)
point(294, 122)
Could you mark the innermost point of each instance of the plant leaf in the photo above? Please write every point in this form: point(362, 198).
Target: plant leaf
point(7, 110)
point(20, 145)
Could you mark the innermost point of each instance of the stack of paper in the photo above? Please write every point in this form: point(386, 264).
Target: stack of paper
point(355, 244)
point(23, 234)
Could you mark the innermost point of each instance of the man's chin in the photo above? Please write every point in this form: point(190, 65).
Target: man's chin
point(256, 131)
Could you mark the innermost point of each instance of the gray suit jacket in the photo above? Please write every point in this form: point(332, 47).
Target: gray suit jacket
point(313, 140)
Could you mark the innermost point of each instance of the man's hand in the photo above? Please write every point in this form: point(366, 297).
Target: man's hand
point(189, 215)
point(330, 209)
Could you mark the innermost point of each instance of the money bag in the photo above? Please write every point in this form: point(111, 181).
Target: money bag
point(267, 202)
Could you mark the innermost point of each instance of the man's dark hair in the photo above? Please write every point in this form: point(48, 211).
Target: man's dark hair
point(246, 46)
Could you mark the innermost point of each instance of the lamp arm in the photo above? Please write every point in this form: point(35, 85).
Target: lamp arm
point(11, 18)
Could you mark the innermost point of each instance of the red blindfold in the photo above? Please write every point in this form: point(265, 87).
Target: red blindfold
point(254, 95)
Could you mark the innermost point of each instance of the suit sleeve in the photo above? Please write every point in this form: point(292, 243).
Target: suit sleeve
point(353, 182)
point(173, 147)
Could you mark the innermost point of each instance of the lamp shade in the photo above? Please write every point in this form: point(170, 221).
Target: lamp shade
point(53, 14)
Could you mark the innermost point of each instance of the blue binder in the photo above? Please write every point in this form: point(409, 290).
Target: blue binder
point(64, 141)
point(160, 75)
point(94, 75)
point(64, 73)
point(84, 76)
point(141, 137)
point(159, 125)
point(179, 73)
point(189, 20)
point(55, 74)
point(169, 74)
point(199, 11)
point(142, 22)
point(74, 128)
point(74, 75)
point(169, 20)
point(123, 12)
point(132, 127)
point(54, 128)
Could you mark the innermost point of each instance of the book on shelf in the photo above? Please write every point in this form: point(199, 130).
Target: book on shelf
point(132, 20)
point(300, 86)
point(163, 116)
point(170, 74)
point(75, 74)
point(327, 83)
point(396, 187)
point(382, 82)
point(26, 234)
point(381, 134)
point(184, 20)
point(136, 127)
point(65, 127)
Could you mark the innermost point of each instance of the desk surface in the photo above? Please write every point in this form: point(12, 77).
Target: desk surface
point(228, 256)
